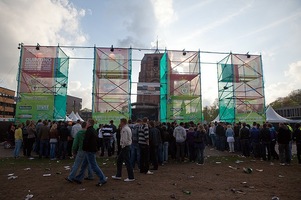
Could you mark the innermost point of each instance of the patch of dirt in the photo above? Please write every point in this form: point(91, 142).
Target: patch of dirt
point(171, 181)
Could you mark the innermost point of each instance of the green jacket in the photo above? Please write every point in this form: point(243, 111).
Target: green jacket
point(78, 141)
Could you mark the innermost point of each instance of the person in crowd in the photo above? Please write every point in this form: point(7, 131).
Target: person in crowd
point(37, 142)
point(18, 140)
point(75, 128)
point(172, 142)
point(291, 131)
point(244, 135)
point(255, 142)
point(90, 149)
point(220, 137)
point(70, 139)
point(165, 142)
point(180, 134)
point(154, 142)
point(78, 153)
point(114, 137)
point(190, 144)
point(284, 137)
point(25, 138)
point(63, 140)
point(135, 150)
point(100, 140)
point(31, 130)
point(44, 140)
point(230, 138)
point(107, 132)
point(117, 139)
point(265, 142)
point(236, 130)
point(212, 134)
point(53, 135)
point(124, 156)
point(199, 141)
point(143, 141)
point(297, 138)
point(273, 134)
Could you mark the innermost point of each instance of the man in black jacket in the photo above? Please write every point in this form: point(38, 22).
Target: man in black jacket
point(90, 148)
point(284, 137)
point(244, 135)
point(297, 137)
point(265, 141)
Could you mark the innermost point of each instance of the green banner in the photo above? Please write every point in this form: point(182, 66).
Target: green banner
point(105, 118)
point(34, 106)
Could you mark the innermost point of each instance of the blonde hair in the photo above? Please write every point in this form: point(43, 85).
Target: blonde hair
point(53, 127)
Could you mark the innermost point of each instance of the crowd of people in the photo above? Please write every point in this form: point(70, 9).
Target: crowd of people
point(145, 143)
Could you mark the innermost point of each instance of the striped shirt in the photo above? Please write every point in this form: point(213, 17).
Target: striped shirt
point(143, 134)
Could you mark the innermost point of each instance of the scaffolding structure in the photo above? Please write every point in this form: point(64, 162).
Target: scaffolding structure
point(241, 88)
point(42, 83)
point(111, 84)
point(180, 76)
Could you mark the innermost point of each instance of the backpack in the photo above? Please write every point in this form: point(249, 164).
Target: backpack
point(135, 135)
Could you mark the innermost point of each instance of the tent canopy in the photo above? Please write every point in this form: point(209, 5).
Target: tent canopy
point(78, 116)
point(73, 117)
point(273, 117)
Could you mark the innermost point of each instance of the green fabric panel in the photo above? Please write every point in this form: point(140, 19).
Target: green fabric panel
point(163, 88)
point(61, 78)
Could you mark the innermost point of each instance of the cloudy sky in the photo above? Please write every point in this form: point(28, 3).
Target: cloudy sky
point(271, 28)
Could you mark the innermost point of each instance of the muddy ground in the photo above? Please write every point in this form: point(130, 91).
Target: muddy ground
point(214, 180)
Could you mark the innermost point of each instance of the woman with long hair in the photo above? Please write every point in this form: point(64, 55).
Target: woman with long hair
point(230, 138)
point(199, 143)
point(53, 135)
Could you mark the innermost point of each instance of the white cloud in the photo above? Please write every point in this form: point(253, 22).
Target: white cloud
point(75, 88)
point(290, 82)
point(294, 72)
point(46, 22)
point(164, 11)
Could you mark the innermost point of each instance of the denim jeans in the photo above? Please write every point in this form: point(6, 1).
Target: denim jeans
point(160, 153)
point(199, 148)
point(245, 147)
point(266, 147)
point(44, 148)
point(63, 149)
point(18, 144)
point(124, 156)
point(153, 152)
point(90, 160)
point(108, 145)
point(135, 155)
point(284, 154)
point(52, 149)
point(180, 151)
point(256, 149)
point(212, 136)
point(80, 157)
point(165, 151)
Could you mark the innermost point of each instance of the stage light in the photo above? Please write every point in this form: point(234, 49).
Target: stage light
point(64, 85)
point(226, 88)
point(184, 52)
point(112, 48)
point(20, 45)
point(38, 47)
point(248, 55)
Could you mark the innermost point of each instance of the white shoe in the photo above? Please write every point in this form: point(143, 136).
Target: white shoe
point(128, 180)
point(116, 178)
point(149, 173)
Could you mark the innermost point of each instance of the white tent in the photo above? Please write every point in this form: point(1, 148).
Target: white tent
point(273, 117)
point(73, 117)
point(78, 116)
point(68, 119)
